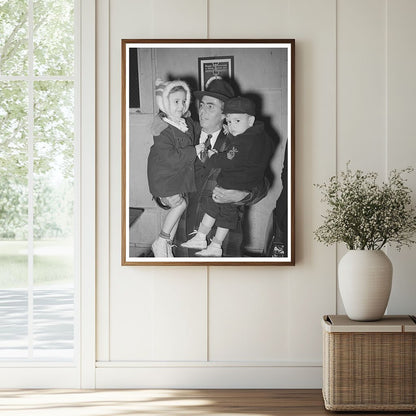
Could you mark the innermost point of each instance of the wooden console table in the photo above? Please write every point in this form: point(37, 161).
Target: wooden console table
point(369, 366)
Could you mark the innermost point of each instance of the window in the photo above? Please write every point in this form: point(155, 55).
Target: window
point(38, 185)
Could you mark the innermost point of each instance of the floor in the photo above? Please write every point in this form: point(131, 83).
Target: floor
point(166, 402)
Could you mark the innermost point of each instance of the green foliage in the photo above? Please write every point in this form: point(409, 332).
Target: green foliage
point(53, 118)
point(53, 263)
point(13, 129)
point(13, 37)
point(53, 208)
point(54, 126)
point(366, 215)
point(13, 208)
point(53, 37)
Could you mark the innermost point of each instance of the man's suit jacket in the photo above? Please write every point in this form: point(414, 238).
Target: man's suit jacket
point(205, 181)
point(205, 178)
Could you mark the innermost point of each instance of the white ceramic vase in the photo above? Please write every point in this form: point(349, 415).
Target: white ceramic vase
point(364, 278)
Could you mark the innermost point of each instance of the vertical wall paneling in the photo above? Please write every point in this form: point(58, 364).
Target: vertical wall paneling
point(361, 84)
point(255, 326)
point(160, 317)
point(312, 24)
point(361, 88)
point(315, 135)
point(235, 19)
point(246, 307)
point(179, 324)
point(87, 200)
point(140, 327)
point(103, 176)
point(180, 19)
point(401, 134)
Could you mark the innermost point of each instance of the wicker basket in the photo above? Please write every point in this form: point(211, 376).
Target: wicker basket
point(369, 366)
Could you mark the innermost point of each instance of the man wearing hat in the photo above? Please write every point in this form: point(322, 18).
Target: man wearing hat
point(243, 164)
point(211, 118)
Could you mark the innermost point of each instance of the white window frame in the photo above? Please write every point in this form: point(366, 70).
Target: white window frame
point(81, 372)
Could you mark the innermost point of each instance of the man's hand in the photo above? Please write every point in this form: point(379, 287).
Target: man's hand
point(172, 201)
point(199, 148)
point(224, 196)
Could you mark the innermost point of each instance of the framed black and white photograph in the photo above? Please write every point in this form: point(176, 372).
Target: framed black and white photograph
point(208, 135)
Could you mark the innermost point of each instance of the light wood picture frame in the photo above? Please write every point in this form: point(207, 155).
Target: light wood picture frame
point(261, 71)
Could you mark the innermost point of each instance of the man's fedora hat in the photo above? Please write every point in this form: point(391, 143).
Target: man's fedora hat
point(218, 88)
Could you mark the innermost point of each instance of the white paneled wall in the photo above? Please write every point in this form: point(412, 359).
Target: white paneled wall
point(361, 88)
point(238, 329)
point(401, 131)
point(361, 84)
point(254, 326)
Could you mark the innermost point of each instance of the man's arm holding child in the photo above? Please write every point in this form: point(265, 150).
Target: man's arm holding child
point(226, 196)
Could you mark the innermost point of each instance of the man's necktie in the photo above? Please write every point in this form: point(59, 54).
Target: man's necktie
point(204, 153)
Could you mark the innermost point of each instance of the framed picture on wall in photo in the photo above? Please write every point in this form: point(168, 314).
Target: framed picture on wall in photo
point(208, 136)
point(214, 67)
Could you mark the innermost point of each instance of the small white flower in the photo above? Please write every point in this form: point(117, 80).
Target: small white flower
point(367, 215)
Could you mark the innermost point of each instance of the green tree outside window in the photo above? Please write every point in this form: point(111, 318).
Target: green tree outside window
point(36, 60)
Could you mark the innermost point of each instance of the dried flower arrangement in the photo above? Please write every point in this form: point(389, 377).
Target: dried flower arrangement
point(366, 215)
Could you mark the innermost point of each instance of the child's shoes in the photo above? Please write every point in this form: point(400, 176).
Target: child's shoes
point(160, 247)
point(213, 250)
point(170, 252)
point(198, 241)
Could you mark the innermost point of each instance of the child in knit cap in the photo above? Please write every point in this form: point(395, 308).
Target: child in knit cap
point(243, 165)
point(170, 165)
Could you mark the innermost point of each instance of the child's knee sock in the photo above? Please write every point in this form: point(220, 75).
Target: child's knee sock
point(164, 235)
point(216, 242)
point(203, 230)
